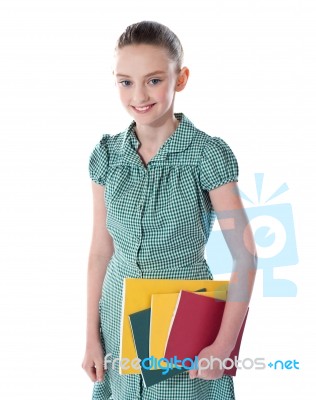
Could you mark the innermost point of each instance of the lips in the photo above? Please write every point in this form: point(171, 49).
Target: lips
point(143, 109)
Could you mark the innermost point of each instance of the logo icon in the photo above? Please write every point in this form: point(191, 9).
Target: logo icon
point(273, 230)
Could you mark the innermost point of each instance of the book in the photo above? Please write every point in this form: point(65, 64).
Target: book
point(162, 310)
point(140, 325)
point(195, 325)
point(137, 297)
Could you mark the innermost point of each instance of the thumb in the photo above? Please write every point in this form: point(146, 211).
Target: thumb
point(99, 371)
point(193, 373)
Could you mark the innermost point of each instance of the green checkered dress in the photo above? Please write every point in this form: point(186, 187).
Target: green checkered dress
point(160, 217)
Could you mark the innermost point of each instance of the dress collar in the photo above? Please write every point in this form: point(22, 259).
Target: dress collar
point(179, 140)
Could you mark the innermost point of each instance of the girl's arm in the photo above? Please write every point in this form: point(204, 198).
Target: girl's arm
point(237, 232)
point(101, 251)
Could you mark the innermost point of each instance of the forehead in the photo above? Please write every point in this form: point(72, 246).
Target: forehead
point(142, 59)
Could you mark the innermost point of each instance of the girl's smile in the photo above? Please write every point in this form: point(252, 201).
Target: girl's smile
point(143, 109)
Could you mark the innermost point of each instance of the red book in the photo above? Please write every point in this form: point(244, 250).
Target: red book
point(196, 323)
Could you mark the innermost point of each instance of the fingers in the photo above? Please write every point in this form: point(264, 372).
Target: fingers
point(95, 370)
point(210, 374)
point(90, 370)
point(206, 374)
point(193, 373)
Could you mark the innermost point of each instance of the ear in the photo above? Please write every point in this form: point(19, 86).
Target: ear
point(182, 79)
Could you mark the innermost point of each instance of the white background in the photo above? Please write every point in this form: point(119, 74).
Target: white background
point(252, 83)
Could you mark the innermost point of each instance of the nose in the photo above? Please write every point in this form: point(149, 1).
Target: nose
point(140, 95)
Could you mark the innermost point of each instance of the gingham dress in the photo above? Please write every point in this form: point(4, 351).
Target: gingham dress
point(160, 217)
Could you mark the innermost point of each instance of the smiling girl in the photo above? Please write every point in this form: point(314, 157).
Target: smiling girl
point(156, 189)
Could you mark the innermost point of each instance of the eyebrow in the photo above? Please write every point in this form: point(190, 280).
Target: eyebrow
point(146, 76)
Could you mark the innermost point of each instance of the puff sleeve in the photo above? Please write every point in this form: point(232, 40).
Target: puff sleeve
point(99, 161)
point(218, 164)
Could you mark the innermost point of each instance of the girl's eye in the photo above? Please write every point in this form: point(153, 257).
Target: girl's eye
point(125, 83)
point(155, 81)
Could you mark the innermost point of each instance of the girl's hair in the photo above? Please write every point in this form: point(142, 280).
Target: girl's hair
point(153, 33)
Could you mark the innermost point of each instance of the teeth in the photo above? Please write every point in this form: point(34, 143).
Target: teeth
point(143, 108)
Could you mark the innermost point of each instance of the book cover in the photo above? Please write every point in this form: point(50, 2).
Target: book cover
point(140, 325)
point(137, 296)
point(162, 311)
point(195, 325)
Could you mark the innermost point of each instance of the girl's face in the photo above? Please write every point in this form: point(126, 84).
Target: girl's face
point(147, 81)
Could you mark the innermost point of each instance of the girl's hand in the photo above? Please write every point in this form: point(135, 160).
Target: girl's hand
point(206, 370)
point(93, 362)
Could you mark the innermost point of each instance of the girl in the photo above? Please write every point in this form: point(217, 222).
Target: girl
point(156, 188)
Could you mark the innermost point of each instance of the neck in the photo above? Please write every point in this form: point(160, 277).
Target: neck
point(151, 137)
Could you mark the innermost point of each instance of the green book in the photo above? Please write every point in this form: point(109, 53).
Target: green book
point(140, 325)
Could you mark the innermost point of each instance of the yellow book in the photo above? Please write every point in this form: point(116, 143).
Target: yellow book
point(162, 312)
point(137, 294)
